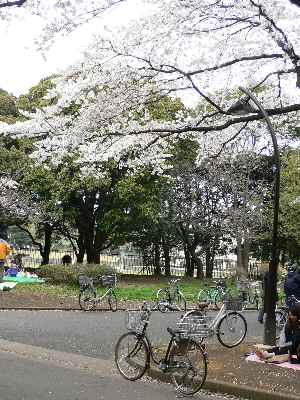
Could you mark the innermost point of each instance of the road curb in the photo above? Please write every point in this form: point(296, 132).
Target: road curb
point(217, 386)
point(53, 309)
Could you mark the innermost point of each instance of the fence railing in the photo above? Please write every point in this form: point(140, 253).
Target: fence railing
point(134, 264)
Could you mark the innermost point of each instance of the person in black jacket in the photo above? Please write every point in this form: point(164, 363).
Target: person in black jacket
point(292, 285)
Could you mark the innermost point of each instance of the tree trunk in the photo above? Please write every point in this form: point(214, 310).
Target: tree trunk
point(209, 262)
point(190, 265)
point(81, 249)
point(199, 265)
point(45, 253)
point(242, 258)
point(157, 268)
point(166, 250)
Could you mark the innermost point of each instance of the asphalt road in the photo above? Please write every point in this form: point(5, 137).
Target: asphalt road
point(68, 355)
point(22, 378)
point(91, 334)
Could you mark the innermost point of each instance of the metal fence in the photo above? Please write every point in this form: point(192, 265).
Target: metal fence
point(134, 264)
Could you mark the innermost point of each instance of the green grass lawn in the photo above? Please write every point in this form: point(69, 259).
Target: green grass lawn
point(129, 287)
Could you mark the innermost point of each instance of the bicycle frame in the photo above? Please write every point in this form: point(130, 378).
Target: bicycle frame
point(106, 294)
point(143, 336)
point(214, 323)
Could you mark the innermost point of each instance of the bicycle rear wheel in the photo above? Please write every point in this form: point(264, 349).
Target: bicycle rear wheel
point(204, 296)
point(180, 302)
point(218, 299)
point(112, 301)
point(188, 366)
point(131, 356)
point(163, 300)
point(231, 329)
point(87, 299)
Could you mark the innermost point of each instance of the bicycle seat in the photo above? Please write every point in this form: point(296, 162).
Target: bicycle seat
point(173, 332)
point(202, 305)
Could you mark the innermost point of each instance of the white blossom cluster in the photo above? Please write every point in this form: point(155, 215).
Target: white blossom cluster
point(200, 50)
point(14, 204)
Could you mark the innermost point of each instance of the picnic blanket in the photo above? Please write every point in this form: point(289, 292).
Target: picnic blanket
point(253, 357)
point(9, 285)
point(22, 279)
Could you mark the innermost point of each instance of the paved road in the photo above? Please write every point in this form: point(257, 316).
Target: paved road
point(25, 378)
point(68, 355)
point(92, 334)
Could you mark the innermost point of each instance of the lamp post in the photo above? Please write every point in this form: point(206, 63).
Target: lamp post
point(271, 287)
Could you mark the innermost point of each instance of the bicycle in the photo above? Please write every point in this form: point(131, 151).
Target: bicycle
point(213, 294)
point(250, 292)
point(229, 325)
point(281, 314)
point(88, 297)
point(184, 359)
point(171, 298)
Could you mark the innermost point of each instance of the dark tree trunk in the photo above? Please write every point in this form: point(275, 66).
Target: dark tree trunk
point(45, 253)
point(209, 258)
point(157, 268)
point(190, 265)
point(199, 265)
point(166, 250)
point(81, 249)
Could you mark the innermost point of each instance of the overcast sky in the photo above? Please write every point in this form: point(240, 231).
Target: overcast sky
point(22, 66)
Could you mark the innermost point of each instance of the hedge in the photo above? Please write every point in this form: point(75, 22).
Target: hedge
point(68, 274)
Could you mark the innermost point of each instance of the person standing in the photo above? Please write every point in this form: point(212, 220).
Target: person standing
point(292, 284)
point(4, 252)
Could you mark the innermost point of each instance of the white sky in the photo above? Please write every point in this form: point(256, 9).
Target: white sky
point(22, 66)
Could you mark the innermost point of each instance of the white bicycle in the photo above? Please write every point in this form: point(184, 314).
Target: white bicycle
point(229, 325)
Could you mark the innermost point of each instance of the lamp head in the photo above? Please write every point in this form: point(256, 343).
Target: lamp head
point(241, 107)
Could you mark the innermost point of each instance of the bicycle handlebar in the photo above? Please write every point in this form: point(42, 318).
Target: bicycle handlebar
point(174, 281)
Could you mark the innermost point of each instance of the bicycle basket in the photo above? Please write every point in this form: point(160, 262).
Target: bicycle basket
point(109, 280)
point(85, 282)
point(136, 320)
point(234, 304)
point(194, 326)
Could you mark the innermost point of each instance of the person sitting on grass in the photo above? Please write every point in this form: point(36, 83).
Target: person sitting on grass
point(291, 340)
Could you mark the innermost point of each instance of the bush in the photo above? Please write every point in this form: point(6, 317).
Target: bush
point(68, 274)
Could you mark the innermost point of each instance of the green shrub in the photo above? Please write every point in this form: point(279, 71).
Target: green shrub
point(68, 274)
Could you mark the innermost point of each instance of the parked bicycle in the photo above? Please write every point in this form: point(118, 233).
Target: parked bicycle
point(213, 295)
point(184, 359)
point(229, 325)
point(88, 296)
point(281, 314)
point(251, 293)
point(171, 298)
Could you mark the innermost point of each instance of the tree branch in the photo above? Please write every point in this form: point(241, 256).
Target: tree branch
point(17, 3)
point(165, 132)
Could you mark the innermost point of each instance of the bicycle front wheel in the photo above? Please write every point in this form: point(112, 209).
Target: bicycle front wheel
point(163, 300)
point(231, 329)
point(131, 356)
point(112, 301)
point(188, 366)
point(87, 299)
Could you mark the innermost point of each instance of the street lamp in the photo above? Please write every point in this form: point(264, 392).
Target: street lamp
point(244, 107)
